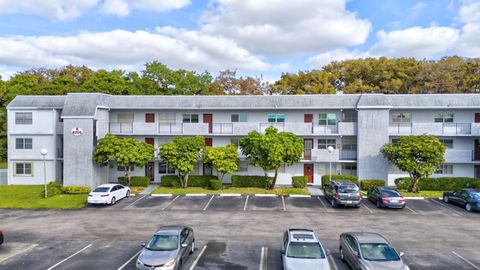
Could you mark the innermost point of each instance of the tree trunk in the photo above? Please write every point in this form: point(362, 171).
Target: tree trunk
point(185, 181)
point(272, 185)
point(127, 174)
point(221, 176)
point(414, 185)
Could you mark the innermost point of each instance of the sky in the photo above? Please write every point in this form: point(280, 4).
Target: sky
point(254, 37)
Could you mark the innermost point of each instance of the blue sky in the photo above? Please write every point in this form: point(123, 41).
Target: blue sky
point(252, 36)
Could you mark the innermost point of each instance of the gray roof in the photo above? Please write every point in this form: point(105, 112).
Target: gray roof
point(86, 104)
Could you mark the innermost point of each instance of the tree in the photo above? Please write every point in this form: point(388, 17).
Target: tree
point(305, 82)
point(224, 159)
point(272, 150)
point(182, 154)
point(126, 152)
point(420, 156)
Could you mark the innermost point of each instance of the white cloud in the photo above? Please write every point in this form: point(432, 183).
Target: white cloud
point(122, 8)
point(323, 59)
point(128, 50)
point(469, 42)
point(285, 27)
point(51, 9)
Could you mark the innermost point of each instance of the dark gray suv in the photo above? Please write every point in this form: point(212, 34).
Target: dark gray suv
point(343, 193)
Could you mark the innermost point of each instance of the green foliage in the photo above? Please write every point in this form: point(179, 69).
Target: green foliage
point(369, 184)
point(299, 181)
point(31, 197)
point(249, 181)
point(440, 183)
point(215, 184)
point(200, 180)
point(53, 188)
point(420, 156)
point(311, 82)
point(76, 190)
point(135, 181)
point(339, 177)
point(126, 152)
point(182, 154)
point(224, 159)
point(272, 150)
point(170, 181)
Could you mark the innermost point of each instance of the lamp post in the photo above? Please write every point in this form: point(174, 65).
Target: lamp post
point(330, 151)
point(44, 152)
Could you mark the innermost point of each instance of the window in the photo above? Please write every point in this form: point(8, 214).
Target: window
point(235, 141)
point(349, 116)
point(23, 143)
point(163, 168)
point(240, 117)
point(207, 170)
point(325, 143)
point(395, 141)
point(166, 118)
point(445, 169)
point(149, 118)
point(122, 169)
point(444, 118)
point(23, 118)
point(190, 118)
point(126, 117)
point(23, 169)
point(276, 117)
point(401, 118)
point(325, 119)
point(324, 169)
point(243, 166)
point(349, 143)
point(350, 169)
point(447, 142)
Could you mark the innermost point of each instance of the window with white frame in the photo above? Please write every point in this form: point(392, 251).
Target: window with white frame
point(239, 117)
point(445, 169)
point(349, 169)
point(401, 117)
point(163, 168)
point(444, 118)
point(243, 166)
point(327, 119)
point(125, 117)
point(167, 118)
point(447, 142)
point(23, 118)
point(23, 143)
point(24, 169)
point(349, 116)
point(325, 143)
point(276, 117)
point(190, 118)
point(349, 143)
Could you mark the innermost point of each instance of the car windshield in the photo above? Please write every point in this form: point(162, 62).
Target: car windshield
point(475, 195)
point(347, 189)
point(305, 251)
point(379, 252)
point(101, 189)
point(163, 243)
point(390, 193)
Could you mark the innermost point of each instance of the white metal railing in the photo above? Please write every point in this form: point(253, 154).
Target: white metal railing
point(170, 128)
point(222, 128)
point(279, 126)
point(119, 127)
point(325, 129)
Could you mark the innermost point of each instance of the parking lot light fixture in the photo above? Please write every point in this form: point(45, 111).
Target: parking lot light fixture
point(44, 152)
point(330, 151)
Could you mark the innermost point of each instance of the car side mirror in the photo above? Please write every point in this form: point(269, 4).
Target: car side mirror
point(282, 252)
point(143, 244)
point(356, 254)
point(184, 245)
point(401, 254)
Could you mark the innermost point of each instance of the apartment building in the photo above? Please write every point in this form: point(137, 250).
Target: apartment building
point(356, 126)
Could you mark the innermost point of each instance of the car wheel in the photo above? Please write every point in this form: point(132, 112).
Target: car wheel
point(113, 201)
point(468, 207)
point(445, 199)
point(342, 256)
point(128, 194)
point(193, 247)
point(379, 204)
point(333, 203)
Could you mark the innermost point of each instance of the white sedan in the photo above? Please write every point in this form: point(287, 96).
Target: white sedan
point(108, 194)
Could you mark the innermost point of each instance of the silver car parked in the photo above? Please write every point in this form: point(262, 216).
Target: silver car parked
point(168, 249)
point(369, 251)
point(302, 250)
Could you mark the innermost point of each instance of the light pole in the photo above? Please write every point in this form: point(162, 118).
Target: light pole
point(330, 151)
point(44, 152)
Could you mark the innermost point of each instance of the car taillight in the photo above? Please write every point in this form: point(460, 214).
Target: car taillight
point(386, 200)
point(105, 195)
point(337, 196)
point(402, 200)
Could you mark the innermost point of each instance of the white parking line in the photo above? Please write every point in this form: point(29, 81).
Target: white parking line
point(161, 195)
point(18, 252)
point(168, 204)
point(331, 261)
point(368, 208)
point(264, 258)
point(69, 257)
point(246, 202)
point(283, 202)
point(406, 206)
point(198, 258)
point(440, 203)
point(129, 260)
point(324, 206)
point(230, 195)
point(144, 196)
point(299, 196)
point(208, 203)
point(465, 260)
point(265, 195)
point(196, 195)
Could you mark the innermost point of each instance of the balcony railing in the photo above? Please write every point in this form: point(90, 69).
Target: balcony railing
point(325, 129)
point(118, 127)
point(348, 154)
point(170, 128)
point(279, 126)
point(457, 128)
point(222, 128)
point(431, 128)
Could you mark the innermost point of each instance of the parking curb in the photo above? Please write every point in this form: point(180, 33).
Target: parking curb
point(414, 198)
point(231, 195)
point(196, 195)
point(161, 195)
point(299, 196)
point(265, 195)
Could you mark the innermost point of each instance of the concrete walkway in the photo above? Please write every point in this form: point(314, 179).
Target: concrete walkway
point(149, 189)
point(315, 190)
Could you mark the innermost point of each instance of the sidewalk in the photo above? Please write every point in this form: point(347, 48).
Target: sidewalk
point(315, 190)
point(149, 189)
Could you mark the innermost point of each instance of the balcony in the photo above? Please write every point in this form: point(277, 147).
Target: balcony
point(121, 128)
point(183, 128)
point(322, 155)
point(461, 156)
point(325, 129)
point(432, 128)
point(347, 128)
point(170, 128)
point(279, 126)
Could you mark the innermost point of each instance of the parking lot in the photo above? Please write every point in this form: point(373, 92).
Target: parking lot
point(232, 232)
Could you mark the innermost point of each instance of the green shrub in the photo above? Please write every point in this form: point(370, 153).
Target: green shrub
point(440, 183)
point(170, 181)
point(76, 190)
point(299, 181)
point(53, 188)
point(339, 177)
point(200, 180)
point(136, 181)
point(249, 181)
point(215, 184)
point(373, 183)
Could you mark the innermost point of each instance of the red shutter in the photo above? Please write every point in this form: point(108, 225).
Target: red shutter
point(208, 141)
point(308, 118)
point(150, 141)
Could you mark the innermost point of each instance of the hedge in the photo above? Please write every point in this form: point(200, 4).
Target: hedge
point(140, 181)
point(215, 184)
point(440, 183)
point(299, 181)
point(76, 190)
point(249, 181)
point(170, 181)
point(351, 178)
point(53, 188)
point(193, 181)
point(371, 183)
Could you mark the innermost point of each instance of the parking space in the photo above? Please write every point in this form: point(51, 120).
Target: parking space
point(260, 203)
point(434, 259)
point(159, 203)
point(189, 203)
point(227, 203)
point(304, 204)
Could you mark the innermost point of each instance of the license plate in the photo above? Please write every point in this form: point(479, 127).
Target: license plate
point(349, 202)
point(395, 201)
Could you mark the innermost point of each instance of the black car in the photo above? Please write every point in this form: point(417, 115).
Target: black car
point(386, 197)
point(343, 193)
point(468, 198)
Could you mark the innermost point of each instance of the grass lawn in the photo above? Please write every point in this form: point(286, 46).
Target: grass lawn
point(230, 190)
point(423, 193)
point(136, 190)
point(3, 165)
point(31, 197)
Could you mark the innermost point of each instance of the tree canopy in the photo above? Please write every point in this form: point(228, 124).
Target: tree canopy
point(224, 159)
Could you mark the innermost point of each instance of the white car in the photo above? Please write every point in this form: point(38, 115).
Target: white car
point(108, 194)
